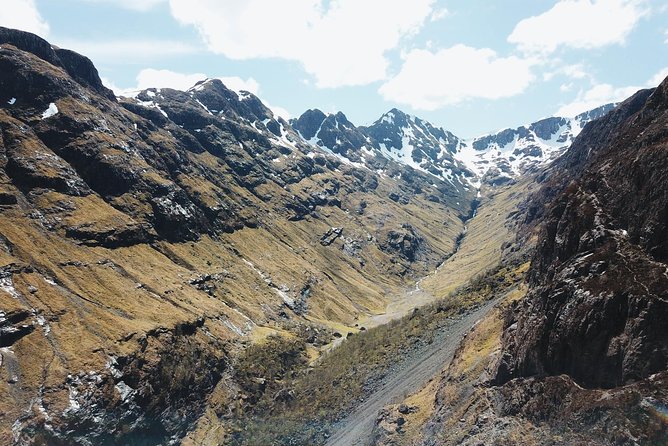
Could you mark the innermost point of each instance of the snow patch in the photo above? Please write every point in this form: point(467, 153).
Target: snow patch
point(51, 111)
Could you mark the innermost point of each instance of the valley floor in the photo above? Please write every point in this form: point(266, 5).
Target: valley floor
point(410, 374)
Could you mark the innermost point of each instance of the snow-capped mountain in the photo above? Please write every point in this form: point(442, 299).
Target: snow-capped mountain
point(397, 144)
point(498, 157)
point(419, 144)
point(397, 137)
point(333, 133)
point(393, 143)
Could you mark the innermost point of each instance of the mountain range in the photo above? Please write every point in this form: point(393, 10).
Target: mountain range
point(187, 267)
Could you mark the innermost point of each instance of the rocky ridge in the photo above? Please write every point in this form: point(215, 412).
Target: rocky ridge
point(398, 140)
point(580, 356)
point(135, 231)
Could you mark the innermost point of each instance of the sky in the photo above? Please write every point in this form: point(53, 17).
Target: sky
point(471, 67)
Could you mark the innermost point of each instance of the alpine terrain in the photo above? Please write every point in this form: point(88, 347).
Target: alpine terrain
point(186, 267)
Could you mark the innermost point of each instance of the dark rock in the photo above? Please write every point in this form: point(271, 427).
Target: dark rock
point(331, 235)
point(405, 242)
point(599, 293)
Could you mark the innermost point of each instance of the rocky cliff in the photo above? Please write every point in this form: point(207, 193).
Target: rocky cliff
point(145, 241)
point(579, 356)
point(599, 298)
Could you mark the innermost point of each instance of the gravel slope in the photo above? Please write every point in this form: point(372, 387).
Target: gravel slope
point(413, 372)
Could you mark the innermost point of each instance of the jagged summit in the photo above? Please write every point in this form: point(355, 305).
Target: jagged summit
point(398, 137)
point(501, 156)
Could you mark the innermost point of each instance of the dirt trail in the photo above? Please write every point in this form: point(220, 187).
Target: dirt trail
point(414, 372)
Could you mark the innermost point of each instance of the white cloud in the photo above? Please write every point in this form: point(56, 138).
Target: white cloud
point(135, 5)
point(128, 50)
point(659, 77)
point(596, 96)
point(578, 24)
point(605, 93)
point(152, 78)
point(566, 87)
point(573, 71)
point(430, 80)
point(23, 15)
point(439, 14)
point(340, 42)
point(278, 111)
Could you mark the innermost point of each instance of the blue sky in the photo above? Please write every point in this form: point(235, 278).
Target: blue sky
point(469, 66)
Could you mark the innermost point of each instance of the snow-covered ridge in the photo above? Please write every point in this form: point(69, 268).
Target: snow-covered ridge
point(494, 158)
point(396, 145)
point(511, 152)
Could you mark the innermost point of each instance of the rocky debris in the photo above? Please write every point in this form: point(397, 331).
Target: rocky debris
point(404, 409)
point(390, 422)
point(405, 242)
point(330, 236)
point(152, 396)
point(207, 282)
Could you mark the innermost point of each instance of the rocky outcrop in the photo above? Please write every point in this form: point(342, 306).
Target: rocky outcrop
point(404, 241)
point(599, 294)
point(142, 398)
point(144, 240)
point(79, 67)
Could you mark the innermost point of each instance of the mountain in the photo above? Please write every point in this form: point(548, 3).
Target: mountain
point(389, 145)
point(146, 241)
point(579, 356)
point(501, 156)
point(492, 159)
point(181, 266)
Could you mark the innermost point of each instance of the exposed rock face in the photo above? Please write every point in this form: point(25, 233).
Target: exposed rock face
point(599, 297)
point(143, 238)
point(499, 157)
point(142, 398)
point(404, 241)
point(79, 67)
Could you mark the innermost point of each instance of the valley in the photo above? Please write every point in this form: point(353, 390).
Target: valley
point(186, 267)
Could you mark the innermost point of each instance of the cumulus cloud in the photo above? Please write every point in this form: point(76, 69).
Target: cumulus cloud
point(153, 78)
point(429, 80)
point(135, 5)
point(581, 24)
point(658, 77)
point(596, 96)
point(605, 94)
point(23, 15)
point(340, 42)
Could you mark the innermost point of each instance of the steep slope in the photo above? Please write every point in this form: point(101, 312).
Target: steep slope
point(600, 265)
point(145, 240)
point(397, 145)
point(581, 358)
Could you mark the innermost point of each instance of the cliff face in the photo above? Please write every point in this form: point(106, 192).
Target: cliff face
point(144, 240)
point(599, 297)
point(579, 356)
